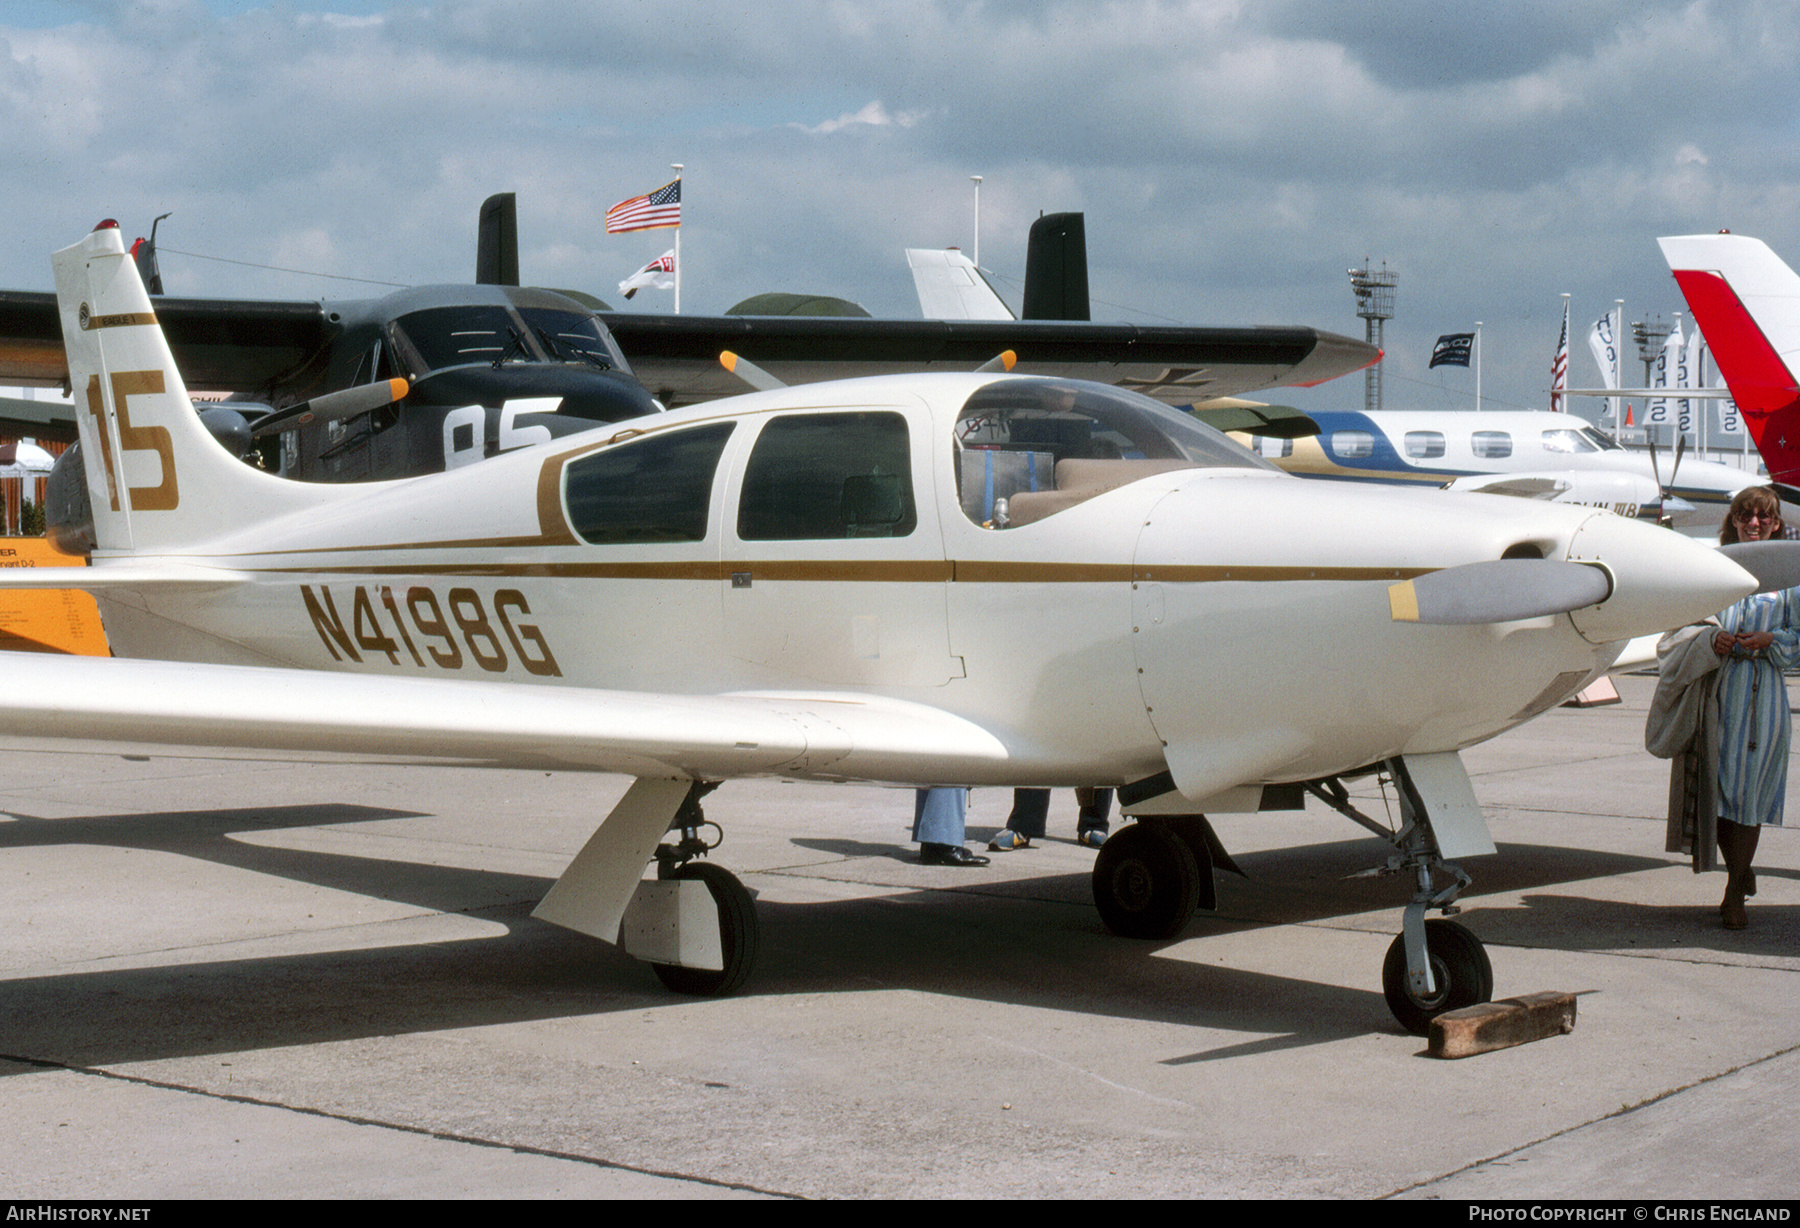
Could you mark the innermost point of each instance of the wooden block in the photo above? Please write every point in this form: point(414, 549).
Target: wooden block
point(1501, 1025)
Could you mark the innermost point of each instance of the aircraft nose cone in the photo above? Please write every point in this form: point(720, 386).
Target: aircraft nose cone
point(1660, 579)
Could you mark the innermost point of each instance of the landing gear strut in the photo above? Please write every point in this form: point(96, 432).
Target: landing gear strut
point(1433, 966)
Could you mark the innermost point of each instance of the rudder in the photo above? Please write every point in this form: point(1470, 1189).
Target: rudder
point(157, 479)
point(1746, 302)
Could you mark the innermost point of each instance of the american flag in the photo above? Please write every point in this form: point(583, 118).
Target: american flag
point(1559, 367)
point(659, 209)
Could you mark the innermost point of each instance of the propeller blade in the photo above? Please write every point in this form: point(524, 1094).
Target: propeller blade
point(749, 372)
point(1775, 565)
point(331, 407)
point(1003, 361)
point(1502, 591)
point(1680, 447)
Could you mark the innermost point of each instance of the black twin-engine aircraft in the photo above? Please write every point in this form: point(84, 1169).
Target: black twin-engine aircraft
point(434, 377)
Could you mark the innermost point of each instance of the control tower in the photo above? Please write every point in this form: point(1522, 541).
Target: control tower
point(1374, 290)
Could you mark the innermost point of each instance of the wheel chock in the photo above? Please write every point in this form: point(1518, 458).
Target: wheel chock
point(1487, 1026)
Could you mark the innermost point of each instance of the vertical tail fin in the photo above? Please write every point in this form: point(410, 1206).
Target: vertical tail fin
point(497, 241)
point(157, 479)
point(951, 287)
point(1746, 302)
point(1056, 269)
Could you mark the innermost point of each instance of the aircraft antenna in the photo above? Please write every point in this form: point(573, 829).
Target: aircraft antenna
point(1374, 290)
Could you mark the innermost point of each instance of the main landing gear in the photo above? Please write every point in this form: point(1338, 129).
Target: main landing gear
point(740, 933)
point(694, 923)
point(1151, 876)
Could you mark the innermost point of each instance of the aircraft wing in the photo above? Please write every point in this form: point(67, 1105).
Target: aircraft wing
point(185, 710)
point(222, 345)
point(677, 357)
point(243, 345)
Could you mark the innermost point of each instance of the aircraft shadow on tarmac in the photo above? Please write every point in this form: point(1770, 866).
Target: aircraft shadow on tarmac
point(1034, 942)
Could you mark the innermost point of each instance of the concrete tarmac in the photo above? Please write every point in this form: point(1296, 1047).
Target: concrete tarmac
point(228, 980)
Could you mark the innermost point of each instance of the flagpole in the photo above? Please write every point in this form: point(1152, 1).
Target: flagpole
point(1618, 363)
point(977, 181)
point(1478, 366)
point(676, 167)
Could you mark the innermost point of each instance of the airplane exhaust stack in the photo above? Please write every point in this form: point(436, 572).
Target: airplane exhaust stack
point(1056, 270)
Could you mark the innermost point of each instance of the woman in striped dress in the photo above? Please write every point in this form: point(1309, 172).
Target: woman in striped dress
point(1758, 638)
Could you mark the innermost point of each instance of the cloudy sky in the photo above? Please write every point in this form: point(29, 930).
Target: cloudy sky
point(1233, 159)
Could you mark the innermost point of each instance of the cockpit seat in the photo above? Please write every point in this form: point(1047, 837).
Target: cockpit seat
point(1079, 479)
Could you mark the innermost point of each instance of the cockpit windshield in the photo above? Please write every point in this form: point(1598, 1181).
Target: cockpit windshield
point(1029, 448)
point(434, 338)
point(1071, 420)
point(439, 337)
point(571, 337)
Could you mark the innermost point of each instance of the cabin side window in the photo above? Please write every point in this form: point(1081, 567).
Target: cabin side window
point(1491, 445)
point(829, 475)
point(656, 489)
point(1352, 445)
point(1424, 445)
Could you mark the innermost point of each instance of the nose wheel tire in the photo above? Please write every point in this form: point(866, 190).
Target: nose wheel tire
point(1459, 969)
point(1146, 882)
point(740, 935)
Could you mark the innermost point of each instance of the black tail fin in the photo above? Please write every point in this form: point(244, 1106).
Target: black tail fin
point(497, 241)
point(1056, 280)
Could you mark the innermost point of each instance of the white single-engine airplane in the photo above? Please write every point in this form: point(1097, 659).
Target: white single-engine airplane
point(946, 579)
point(1533, 454)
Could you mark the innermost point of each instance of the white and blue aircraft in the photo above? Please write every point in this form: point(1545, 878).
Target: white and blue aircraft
point(1540, 455)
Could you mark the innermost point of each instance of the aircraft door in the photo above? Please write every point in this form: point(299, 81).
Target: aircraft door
point(834, 559)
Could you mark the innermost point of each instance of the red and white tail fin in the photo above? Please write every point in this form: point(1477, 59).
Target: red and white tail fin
point(156, 477)
point(1746, 301)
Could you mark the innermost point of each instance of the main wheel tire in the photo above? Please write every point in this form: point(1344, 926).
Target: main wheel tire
point(1146, 882)
point(1459, 966)
point(740, 936)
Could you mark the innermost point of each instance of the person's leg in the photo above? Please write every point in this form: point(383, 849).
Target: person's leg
point(938, 819)
point(1090, 823)
point(1027, 822)
point(1737, 841)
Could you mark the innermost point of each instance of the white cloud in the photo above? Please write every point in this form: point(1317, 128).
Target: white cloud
point(1233, 159)
point(873, 115)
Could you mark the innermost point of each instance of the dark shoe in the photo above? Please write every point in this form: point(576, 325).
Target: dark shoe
point(949, 855)
point(1733, 915)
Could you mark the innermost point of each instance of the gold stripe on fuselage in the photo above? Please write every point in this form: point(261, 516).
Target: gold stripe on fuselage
point(901, 571)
